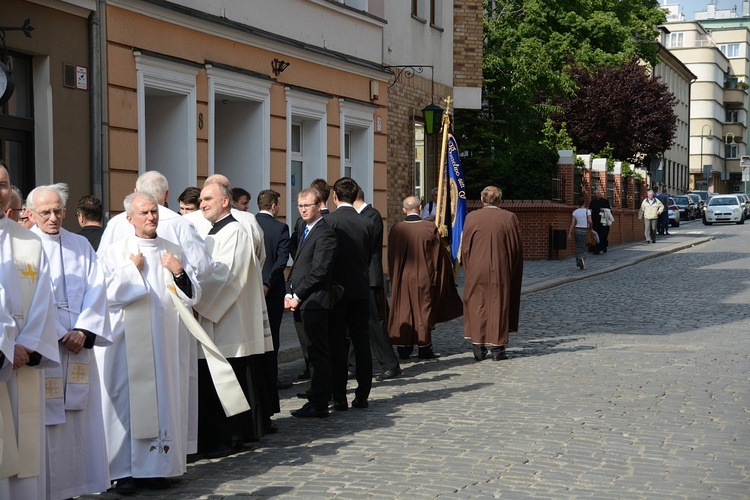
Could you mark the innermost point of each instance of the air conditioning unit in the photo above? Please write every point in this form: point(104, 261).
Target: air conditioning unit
point(744, 161)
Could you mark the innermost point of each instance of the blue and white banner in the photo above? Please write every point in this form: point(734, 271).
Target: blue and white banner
point(457, 196)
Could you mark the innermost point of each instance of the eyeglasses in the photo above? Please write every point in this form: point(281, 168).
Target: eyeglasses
point(306, 206)
point(17, 209)
point(46, 214)
point(23, 219)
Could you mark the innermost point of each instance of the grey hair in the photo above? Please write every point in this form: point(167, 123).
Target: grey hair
point(224, 189)
point(153, 183)
point(60, 188)
point(129, 199)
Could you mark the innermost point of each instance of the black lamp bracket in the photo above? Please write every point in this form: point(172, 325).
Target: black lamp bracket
point(26, 28)
point(409, 70)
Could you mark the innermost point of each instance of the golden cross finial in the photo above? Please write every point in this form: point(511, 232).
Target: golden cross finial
point(29, 272)
point(448, 102)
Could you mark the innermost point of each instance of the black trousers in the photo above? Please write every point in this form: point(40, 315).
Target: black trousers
point(350, 317)
point(214, 427)
point(313, 323)
point(275, 306)
point(380, 342)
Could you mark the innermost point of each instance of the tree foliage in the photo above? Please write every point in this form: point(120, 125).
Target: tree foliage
point(529, 46)
point(622, 107)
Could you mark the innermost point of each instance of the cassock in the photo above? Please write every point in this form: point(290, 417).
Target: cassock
point(423, 289)
point(233, 313)
point(175, 229)
point(144, 317)
point(27, 302)
point(76, 450)
point(492, 256)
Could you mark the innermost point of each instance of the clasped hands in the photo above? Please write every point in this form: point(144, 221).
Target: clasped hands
point(168, 260)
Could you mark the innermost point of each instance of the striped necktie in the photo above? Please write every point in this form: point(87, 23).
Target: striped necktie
point(304, 234)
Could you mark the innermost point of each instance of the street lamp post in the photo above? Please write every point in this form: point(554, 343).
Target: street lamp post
point(702, 170)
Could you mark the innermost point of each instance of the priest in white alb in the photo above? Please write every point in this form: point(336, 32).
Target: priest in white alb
point(173, 228)
point(233, 313)
point(142, 373)
point(29, 344)
point(76, 449)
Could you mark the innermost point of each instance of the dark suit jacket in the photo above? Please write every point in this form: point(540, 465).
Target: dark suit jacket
point(310, 277)
point(351, 268)
point(276, 241)
point(376, 264)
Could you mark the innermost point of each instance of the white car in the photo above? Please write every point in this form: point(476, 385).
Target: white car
point(674, 213)
point(724, 208)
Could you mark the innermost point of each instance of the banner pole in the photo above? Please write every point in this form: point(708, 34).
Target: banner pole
point(440, 221)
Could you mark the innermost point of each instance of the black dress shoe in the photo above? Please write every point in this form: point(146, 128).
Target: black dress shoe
point(218, 451)
point(339, 405)
point(427, 354)
point(302, 395)
point(404, 352)
point(280, 386)
point(389, 374)
point(153, 483)
point(305, 375)
point(269, 427)
point(480, 351)
point(498, 353)
point(126, 486)
point(351, 375)
point(310, 411)
point(360, 403)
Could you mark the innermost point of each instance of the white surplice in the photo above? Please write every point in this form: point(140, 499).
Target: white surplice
point(36, 332)
point(164, 456)
point(176, 229)
point(76, 449)
point(232, 306)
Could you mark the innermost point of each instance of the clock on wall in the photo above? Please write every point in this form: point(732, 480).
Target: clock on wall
point(7, 83)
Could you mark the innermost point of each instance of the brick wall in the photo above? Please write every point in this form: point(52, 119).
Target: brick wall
point(405, 102)
point(467, 43)
point(538, 218)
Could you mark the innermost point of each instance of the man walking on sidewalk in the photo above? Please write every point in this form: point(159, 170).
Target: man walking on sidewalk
point(650, 210)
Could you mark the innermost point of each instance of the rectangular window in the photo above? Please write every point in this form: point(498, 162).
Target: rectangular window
point(297, 138)
point(730, 49)
point(732, 116)
point(731, 151)
point(348, 153)
point(676, 40)
point(436, 13)
point(417, 9)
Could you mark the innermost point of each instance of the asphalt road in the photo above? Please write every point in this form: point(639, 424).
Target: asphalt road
point(630, 383)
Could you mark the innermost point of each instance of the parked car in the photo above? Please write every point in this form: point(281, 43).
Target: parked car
point(687, 207)
point(700, 203)
point(674, 213)
point(745, 200)
point(724, 208)
point(705, 195)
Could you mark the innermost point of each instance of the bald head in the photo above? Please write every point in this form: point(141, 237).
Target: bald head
point(217, 179)
point(411, 205)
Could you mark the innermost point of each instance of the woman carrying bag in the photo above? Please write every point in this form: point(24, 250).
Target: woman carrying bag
point(581, 223)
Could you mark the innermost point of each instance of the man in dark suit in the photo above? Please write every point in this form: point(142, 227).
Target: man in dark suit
point(310, 299)
point(380, 342)
point(325, 190)
point(351, 269)
point(276, 240)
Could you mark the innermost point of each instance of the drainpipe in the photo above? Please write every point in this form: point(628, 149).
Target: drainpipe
point(99, 149)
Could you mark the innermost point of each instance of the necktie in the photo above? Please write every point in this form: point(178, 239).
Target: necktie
point(304, 234)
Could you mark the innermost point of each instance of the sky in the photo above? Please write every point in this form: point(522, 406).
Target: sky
point(690, 6)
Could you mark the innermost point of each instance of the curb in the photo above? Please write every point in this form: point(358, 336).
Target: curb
point(616, 267)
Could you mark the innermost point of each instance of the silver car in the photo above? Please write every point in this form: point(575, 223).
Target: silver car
point(724, 208)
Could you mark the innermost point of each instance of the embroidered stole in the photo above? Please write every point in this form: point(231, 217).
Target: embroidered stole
point(21, 455)
point(72, 391)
